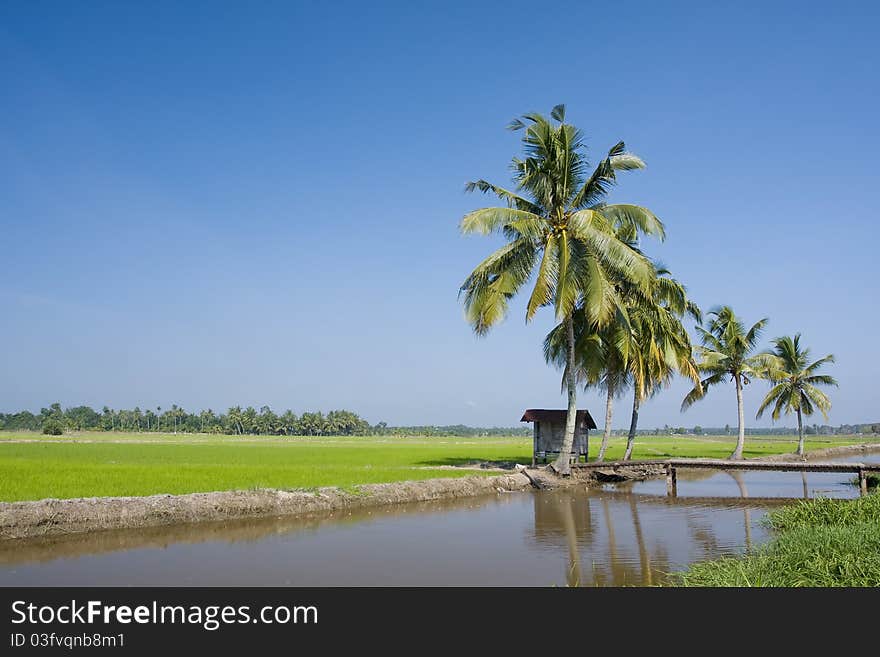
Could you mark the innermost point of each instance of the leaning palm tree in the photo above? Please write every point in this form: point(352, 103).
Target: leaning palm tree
point(600, 360)
point(796, 379)
point(661, 346)
point(644, 348)
point(725, 352)
point(557, 217)
point(615, 376)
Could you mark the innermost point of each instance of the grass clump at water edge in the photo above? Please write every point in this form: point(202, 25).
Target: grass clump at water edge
point(820, 542)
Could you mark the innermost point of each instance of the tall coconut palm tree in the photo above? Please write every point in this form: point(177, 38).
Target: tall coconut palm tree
point(725, 352)
point(795, 380)
point(557, 221)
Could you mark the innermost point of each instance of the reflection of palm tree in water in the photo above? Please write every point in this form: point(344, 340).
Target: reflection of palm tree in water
point(623, 571)
point(644, 557)
point(619, 569)
point(703, 532)
point(747, 514)
point(573, 576)
point(612, 541)
point(566, 516)
point(574, 573)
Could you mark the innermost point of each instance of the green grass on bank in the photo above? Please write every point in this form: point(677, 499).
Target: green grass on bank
point(31, 471)
point(821, 542)
point(109, 464)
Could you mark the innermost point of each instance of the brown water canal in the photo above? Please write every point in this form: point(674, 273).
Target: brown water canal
point(623, 534)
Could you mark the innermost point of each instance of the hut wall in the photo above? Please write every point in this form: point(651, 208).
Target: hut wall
point(549, 437)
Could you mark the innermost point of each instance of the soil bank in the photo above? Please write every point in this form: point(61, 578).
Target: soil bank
point(52, 517)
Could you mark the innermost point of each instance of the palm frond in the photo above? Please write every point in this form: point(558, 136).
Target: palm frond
point(514, 200)
point(490, 220)
point(812, 367)
point(814, 396)
point(632, 220)
point(542, 293)
point(558, 113)
point(494, 281)
point(771, 398)
point(626, 162)
point(567, 284)
point(820, 380)
point(591, 228)
point(755, 331)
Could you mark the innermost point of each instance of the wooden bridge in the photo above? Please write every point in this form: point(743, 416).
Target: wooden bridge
point(673, 465)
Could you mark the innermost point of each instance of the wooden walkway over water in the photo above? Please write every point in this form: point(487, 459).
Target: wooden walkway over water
point(673, 465)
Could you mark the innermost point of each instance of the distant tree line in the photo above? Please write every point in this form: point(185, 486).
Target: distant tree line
point(250, 421)
point(235, 421)
point(460, 430)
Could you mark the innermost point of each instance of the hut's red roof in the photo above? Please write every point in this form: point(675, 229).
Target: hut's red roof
point(557, 417)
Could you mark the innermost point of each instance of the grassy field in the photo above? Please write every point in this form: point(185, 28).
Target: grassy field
point(822, 542)
point(102, 464)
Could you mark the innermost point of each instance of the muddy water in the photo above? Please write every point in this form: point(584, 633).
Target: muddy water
point(628, 534)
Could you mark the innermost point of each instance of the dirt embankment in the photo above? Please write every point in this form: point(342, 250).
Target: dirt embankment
point(54, 517)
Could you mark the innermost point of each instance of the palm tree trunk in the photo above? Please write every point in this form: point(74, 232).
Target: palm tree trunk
point(634, 422)
point(800, 449)
point(606, 434)
point(563, 463)
point(741, 438)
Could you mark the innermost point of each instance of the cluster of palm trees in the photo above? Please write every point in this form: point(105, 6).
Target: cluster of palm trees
point(620, 316)
point(236, 421)
point(241, 421)
point(727, 353)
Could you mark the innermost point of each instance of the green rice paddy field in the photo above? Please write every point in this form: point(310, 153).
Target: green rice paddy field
point(109, 464)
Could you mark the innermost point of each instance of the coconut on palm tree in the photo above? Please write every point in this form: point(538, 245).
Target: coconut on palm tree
point(725, 352)
point(556, 221)
point(795, 380)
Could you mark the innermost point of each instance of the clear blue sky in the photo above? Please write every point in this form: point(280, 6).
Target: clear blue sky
point(258, 202)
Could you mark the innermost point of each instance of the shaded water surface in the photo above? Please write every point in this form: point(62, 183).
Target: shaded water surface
point(617, 535)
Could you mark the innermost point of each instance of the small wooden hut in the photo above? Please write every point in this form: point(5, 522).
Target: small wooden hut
point(549, 431)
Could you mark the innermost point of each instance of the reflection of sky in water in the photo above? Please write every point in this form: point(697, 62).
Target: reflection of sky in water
point(627, 534)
